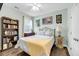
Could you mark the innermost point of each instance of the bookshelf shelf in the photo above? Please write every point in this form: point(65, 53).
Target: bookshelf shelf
point(9, 32)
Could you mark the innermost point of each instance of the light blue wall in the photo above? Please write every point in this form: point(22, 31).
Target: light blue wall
point(53, 14)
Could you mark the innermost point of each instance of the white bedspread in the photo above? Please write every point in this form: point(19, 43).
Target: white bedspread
point(36, 45)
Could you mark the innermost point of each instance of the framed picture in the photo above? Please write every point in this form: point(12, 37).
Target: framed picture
point(47, 20)
point(38, 22)
point(59, 18)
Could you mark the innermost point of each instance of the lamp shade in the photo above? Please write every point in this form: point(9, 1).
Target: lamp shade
point(58, 29)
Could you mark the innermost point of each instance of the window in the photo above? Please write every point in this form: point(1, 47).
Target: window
point(27, 25)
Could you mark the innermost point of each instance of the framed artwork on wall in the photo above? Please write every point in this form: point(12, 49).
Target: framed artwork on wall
point(38, 22)
point(59, 18)
point(47, 20)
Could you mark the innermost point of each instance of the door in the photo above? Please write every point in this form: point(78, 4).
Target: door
point(75, 30)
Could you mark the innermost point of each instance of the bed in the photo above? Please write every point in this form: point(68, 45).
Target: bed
point(37, 45)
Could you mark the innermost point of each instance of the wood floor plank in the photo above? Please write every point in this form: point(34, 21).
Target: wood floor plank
point(18, 52)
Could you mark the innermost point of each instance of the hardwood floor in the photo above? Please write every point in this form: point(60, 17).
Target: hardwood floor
point(59, 52)
point(18, 52)
point(11, 52)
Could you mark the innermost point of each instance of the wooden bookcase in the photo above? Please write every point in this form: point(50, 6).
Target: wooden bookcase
point(9, 33)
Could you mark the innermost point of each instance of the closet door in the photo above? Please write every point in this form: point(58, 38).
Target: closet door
point(75, 30)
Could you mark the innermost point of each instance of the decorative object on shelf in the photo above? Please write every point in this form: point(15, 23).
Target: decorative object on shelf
point(59, 18)
point(38, 22)
point(9, 32)
point(10, 44)
point(47, 20)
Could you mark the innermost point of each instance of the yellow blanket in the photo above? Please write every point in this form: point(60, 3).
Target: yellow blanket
point(37, 47)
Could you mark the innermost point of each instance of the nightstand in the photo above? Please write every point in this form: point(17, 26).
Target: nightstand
point(59, 41)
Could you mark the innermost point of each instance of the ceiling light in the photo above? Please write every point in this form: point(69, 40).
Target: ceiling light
point(37, 4)
point(35, 8)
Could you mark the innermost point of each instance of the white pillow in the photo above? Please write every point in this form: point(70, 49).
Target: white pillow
point(40, 33)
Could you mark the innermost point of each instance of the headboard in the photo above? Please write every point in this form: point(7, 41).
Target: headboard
point(47, 29)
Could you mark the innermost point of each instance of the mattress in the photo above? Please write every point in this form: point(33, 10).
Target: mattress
point(36, 45)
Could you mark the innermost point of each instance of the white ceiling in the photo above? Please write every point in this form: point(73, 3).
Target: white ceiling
point(44, 9)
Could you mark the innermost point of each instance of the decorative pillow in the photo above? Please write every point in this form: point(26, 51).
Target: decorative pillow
point(49, 33)
point(40, 33)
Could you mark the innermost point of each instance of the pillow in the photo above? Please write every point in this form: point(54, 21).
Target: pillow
point(49, 32)
point(40, 33)
point(46, 32)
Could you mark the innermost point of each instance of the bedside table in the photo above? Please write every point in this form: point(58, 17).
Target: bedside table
point(59, 41)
